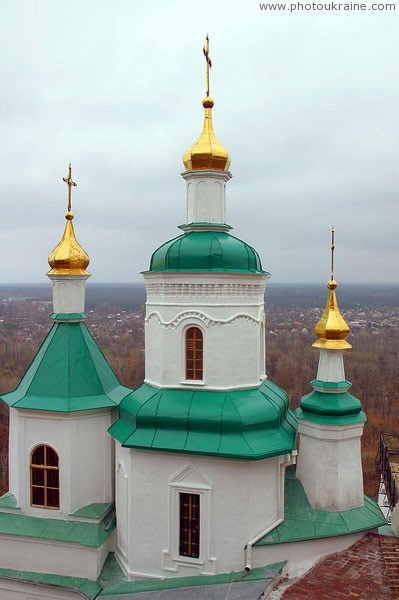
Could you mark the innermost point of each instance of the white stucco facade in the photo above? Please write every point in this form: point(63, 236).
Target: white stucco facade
point(229, 310)
point(239, 499)
point(85, 453)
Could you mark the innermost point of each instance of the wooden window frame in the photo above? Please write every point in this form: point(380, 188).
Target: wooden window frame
point(45, 468)
point(194, 343)
point(189, 525)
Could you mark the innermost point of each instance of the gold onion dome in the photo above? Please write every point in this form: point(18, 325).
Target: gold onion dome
point(207, 152)
point(332, 329)
point(68, 257)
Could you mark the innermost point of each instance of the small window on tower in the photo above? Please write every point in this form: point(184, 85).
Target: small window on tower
point(194, 354)
point(45, 478)
point(189, 525)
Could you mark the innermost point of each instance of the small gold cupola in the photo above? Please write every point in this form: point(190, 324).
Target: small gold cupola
point(332, 328)
point(68, 257)
point(207, 153)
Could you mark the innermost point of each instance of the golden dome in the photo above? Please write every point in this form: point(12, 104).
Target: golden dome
point(207, 152)
point(332, 328)
point(68, 257)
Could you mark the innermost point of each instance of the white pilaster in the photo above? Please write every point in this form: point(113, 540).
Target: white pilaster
point(69, 293)
point(206, 196)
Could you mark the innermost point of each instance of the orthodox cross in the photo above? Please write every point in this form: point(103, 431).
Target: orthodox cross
point(208, 62)
point(332, 252)
point(68, 180)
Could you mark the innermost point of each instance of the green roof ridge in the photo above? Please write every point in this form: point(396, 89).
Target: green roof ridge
point(252, 424)
point(331, 385)
point(69, 373)
point(69, 316)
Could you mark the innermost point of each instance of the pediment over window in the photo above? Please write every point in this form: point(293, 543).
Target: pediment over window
point(191, 477)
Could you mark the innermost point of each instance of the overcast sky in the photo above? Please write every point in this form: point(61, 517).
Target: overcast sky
point(305, 102)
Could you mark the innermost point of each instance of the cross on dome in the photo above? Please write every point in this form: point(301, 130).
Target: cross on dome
point(207, 153)
point(70, 183)
point(68, 257)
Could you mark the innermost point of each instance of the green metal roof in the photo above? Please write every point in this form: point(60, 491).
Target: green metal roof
point(91, 534)
point(115, 583)
point(206, 251)
point(302, 522)
point(250, 424)
point(335, 407)
point(69, 373)
point(96, 510)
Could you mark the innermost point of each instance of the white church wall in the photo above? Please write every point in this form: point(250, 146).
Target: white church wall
point(15, 590)
point(85, 457)
point(335, 481)
point(238, 500)
point(301, 556)
point(48, 556)
point(230, 314)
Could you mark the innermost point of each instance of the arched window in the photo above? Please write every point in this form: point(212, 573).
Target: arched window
point(194, 353)
point(44, 478)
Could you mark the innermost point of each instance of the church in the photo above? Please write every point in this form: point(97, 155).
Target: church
point(191, 484)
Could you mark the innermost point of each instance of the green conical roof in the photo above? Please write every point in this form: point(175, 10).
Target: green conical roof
point(69, 373)
point(247, 424)
point(206, 251)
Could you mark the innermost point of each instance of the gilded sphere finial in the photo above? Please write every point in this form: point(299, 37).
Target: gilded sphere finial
point(332, 284)
point(208, 102)
point(69, 215)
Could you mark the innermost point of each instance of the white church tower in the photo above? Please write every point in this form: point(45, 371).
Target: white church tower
point(330, 419)
point(59, 510)
point(207, 430)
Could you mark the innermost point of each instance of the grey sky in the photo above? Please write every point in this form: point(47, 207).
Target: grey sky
point(306, 103)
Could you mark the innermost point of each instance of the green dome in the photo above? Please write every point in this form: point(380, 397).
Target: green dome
point(206, 251)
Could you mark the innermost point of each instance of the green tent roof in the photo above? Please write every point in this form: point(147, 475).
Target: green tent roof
point(250, 424)
point(206, 251)
point(69, 373)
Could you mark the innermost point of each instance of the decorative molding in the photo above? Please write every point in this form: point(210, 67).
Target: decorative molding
point(203, 318)
point(204, 290)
